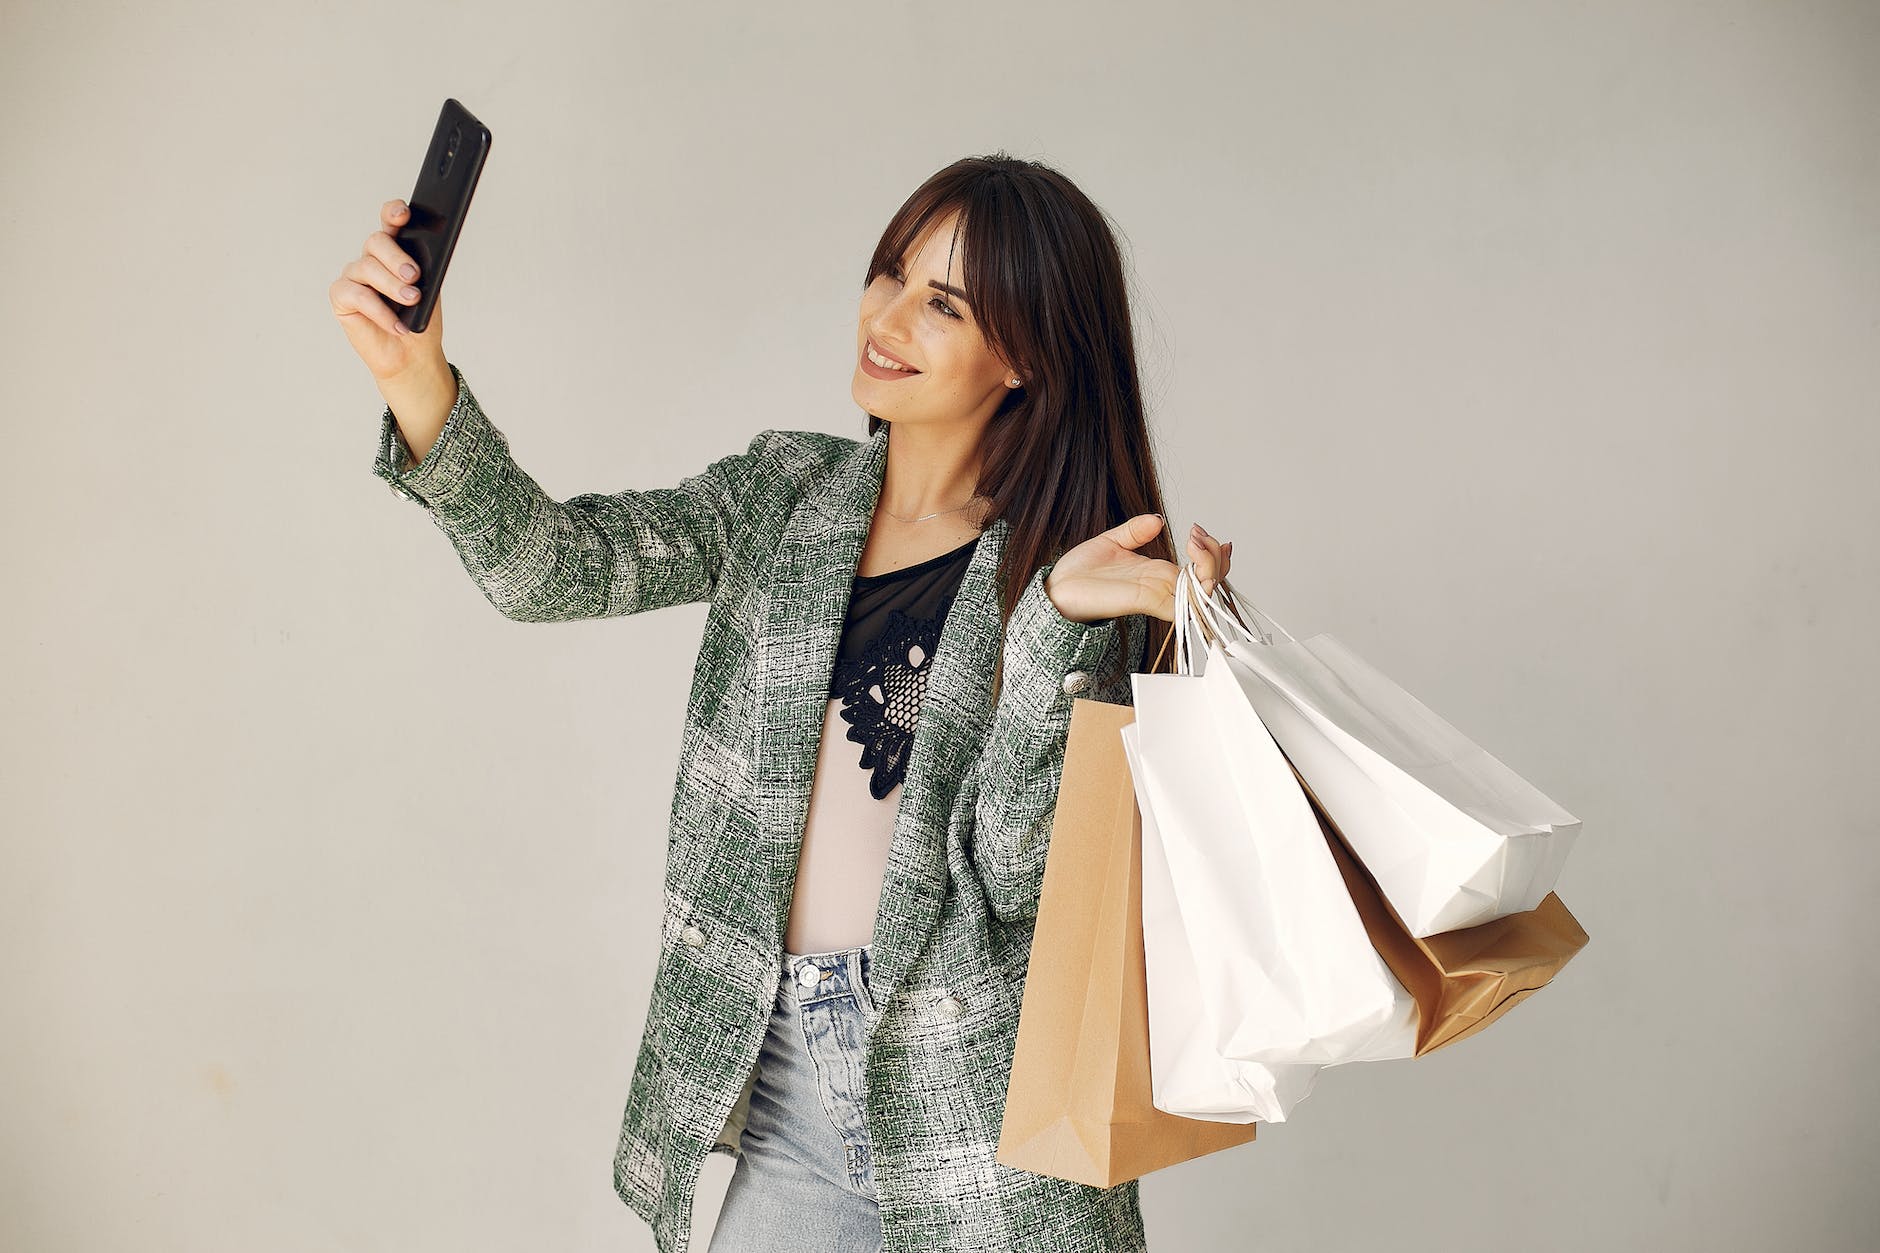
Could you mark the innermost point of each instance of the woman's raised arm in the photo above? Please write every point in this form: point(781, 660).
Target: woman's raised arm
point(537, 559)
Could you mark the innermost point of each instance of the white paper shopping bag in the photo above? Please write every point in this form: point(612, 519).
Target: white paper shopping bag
point(1187, 1073)
point(1283, 961)
point(1453, 837)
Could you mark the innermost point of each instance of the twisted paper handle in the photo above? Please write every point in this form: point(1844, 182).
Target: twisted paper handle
point(1213, 616)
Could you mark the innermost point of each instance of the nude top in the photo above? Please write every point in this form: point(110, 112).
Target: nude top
point(875, 694)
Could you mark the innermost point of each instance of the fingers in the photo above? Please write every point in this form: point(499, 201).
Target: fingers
point(399, 268)
point(350, 297)
point(371, 271)
point(1135, 532)
point(382, 267)
point(1209, 557)
point(381, 245)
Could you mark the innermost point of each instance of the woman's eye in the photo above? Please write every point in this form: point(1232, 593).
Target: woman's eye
point(895, 274)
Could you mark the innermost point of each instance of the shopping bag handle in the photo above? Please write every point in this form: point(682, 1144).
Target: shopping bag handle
point(1178, 630)
point(1187, 620)
point(1235, 604)
point(1207, 615)
point(1196, 617)
point(1215, 609)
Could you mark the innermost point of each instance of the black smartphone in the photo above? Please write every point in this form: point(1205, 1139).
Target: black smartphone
point(439, 203)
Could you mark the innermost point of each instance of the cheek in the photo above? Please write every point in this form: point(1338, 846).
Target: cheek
point(943, 359)
point(973, 365)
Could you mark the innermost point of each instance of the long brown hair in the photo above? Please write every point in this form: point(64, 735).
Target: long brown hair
point(1067, 455)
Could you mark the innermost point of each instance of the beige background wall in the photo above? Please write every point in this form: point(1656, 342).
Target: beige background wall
point(1531, 349)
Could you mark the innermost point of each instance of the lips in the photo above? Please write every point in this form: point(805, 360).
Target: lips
point(888, 356)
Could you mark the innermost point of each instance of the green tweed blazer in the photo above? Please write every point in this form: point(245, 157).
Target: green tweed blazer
point(771, 538)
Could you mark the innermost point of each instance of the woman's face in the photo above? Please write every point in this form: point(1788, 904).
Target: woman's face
point(909, 316)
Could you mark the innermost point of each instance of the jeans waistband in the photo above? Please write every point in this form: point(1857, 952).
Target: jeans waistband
point(813, 976)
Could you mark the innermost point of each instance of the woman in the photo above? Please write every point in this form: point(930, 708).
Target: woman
point(847, 930)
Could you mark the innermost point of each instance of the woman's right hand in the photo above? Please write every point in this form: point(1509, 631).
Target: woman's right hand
point(359, 297)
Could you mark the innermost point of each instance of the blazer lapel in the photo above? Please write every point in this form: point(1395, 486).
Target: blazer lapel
point(811, 579)
point(954, 719)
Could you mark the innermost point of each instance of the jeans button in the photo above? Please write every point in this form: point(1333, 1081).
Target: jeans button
point(808, 975)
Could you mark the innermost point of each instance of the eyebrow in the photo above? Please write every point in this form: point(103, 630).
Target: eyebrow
point(949, 289)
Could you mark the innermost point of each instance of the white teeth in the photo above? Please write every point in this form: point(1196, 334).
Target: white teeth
point(883, 362)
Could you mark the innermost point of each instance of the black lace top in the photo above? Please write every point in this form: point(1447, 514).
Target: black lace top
point(887, 646)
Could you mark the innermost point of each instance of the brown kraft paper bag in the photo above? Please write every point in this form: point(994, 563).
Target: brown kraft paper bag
point(1461, 980)
point(1078, 1103)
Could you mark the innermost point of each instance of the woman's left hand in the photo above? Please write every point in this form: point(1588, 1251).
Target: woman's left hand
point(1104, 577)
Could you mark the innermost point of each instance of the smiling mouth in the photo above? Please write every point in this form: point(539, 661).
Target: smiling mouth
point(883, 361)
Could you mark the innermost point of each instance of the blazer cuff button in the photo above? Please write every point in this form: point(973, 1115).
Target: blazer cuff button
point(693, 936)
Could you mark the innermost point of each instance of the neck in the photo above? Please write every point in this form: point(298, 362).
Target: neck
point(929, 470)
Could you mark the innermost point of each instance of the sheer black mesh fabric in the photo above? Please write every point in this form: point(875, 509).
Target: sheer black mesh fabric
point(885, 654)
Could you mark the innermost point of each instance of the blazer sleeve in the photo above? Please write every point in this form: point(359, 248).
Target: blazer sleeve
point(1049, 661)
point(537, 559)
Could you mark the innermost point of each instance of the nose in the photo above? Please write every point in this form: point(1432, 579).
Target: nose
point(890, 325)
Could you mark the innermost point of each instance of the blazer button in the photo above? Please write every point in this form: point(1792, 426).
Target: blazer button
point(950, 1009)
point(693, 936)
point(398, 490)
point(1076, 681)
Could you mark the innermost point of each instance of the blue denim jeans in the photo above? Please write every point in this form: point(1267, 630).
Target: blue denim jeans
point(804, 1179)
